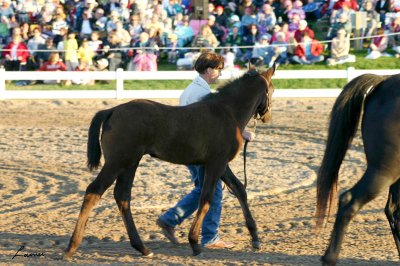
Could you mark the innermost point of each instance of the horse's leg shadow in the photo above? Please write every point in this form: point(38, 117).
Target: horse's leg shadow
point(122, 195)
point(369, 187)
point(94, 191)
point(239, 191)
point(392, 211)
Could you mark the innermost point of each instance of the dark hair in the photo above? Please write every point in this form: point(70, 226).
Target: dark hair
point(206, 60)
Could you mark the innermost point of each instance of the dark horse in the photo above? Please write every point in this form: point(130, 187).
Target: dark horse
point(375, 99)
point(207, 133)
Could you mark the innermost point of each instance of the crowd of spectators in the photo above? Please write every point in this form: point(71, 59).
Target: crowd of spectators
point(137, 34)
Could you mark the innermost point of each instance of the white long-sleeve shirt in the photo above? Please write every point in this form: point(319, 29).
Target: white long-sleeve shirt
point(195, 91)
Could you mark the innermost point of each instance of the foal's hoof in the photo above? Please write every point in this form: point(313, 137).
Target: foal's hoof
point(147, 253)
point(66, 257)
point(199, 255)
point(256, 244)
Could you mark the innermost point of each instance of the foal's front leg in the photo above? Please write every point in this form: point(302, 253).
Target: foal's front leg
point(212, 175)
point(238, 189)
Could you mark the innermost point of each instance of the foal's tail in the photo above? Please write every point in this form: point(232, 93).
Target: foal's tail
point(344, 120)
point(93, 145)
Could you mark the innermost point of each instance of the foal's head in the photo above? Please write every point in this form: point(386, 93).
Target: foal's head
point(263, 111)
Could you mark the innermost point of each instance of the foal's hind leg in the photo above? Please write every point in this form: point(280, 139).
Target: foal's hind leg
point(392, 212)
point(93, 194)
point(350, 202)
point(213, 171)
point(122, 195)
point(238, 189)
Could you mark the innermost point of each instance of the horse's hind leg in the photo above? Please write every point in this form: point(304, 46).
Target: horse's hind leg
point(122, 195)
point(213, 171)
point(238, 189)
point(350, 202)
point(392, 211)
point(92, 196)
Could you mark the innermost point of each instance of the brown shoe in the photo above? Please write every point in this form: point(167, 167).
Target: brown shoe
point(220, 244)
point(168, 231)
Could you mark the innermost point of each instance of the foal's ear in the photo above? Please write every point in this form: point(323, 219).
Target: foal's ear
point(250, 66)
point(270, 72)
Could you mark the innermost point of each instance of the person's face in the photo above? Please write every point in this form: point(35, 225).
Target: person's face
point(253, 29)
point(213, 74)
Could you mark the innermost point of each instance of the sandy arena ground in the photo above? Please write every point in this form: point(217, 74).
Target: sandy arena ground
point(43, 178)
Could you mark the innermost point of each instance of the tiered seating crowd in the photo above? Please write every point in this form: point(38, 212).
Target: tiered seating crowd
point(52, 35)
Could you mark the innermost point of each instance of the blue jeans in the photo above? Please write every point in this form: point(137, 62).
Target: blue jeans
point(190, 203)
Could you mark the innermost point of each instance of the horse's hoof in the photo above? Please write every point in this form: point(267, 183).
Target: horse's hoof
point(199, 255)
point(66, 257)
point(327, 262)
point(148, 255)
point(256, 244)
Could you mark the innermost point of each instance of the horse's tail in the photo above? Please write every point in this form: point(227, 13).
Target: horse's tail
point(93, 145)
point(344, 120)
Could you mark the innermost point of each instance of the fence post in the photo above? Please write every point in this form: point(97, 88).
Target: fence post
point(119, 83)
point(350, 74)
point(2, 83)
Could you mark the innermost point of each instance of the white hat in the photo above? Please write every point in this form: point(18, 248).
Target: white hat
point(303, 23)
point(235, 18)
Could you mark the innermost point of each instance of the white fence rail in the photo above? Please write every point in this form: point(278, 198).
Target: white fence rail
point(120, 76)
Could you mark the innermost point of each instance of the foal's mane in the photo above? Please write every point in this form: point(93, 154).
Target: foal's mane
point(233, 87)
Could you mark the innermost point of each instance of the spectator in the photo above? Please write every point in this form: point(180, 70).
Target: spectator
point(184, 32)
point(372, 19)
point(296, 10)
point(279, 50)
point(112, 51)
point(111, 23)
point(245, 4)
point(262, 52)
point(45, 51)
point(395, 39)
point(309, 51)
point(134, 28)
point(123, 35)
point(173, 8)
point(53, 64)
point(247, 19)
point(219, 31)
point(27, 10)
point(294, 23)
point(45, 16)
point(84, 26)
point(33, 45)
point(172, 51)
point(284, 28)
point(25, 32)
point(4, 30)
point(288, 6)
point(382, 7)
point(343, 22)
point(134, 7)
point(266, 19)
point(234, 41)
point(145, 58)
point(378, 45)
point(6, 10)
point(70, 46)
point(205, 40)
point(99, 23)
point(298, 34)
point(340, 50)
point(95, 43)
point(58, 24)
point(250, 39)
point(16, 54)
point(123, 11)
point(82, 67)
point(220, 17)
point(86, 53)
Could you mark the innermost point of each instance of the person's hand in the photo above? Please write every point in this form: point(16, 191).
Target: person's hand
point(247, 135)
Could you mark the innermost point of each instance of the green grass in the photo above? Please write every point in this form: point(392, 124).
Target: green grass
point(380, 63)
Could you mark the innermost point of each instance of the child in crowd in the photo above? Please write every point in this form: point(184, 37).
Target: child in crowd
point(70, 48)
